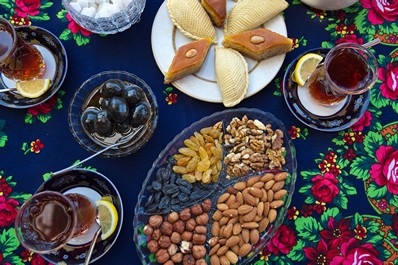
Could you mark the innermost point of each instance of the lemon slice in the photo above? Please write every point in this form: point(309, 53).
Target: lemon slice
point(34, 88)
point(305, 66)
point(108, 218)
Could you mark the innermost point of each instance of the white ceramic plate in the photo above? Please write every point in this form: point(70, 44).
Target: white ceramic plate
point(166, 39)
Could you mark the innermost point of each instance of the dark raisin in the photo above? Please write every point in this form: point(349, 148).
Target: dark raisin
point(183, 197)
point(185, 190)
point(156, 185)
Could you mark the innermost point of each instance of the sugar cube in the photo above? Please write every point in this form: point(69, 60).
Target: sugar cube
point(89, 11)
point(76, 6)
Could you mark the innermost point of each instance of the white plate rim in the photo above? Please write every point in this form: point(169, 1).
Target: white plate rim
point(162, 42)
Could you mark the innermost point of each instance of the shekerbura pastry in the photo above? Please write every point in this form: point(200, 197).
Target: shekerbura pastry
point(191, 19)
point(232, 75)
point(249, 14)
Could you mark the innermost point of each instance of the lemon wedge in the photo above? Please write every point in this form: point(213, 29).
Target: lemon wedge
point(305, 66)
point(33, 88)
point(108, 218)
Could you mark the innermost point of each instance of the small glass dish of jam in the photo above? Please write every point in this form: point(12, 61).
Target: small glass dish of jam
point(113, 107)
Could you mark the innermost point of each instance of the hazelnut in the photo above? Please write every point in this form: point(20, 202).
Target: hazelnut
point(196, 210)
point(169, 262)
point(206, 205)
point(148, 230)
point(186, 247)
point(172, 249)
point(187, 236)
point(155, 221)
point(188, 260)
point(185, 214)
point(201, 229)
point(166, 228)
point(198, 239)
point(175, 238)
point(198, 251)
point(179, 226)
point(201, 262)
point(177, 258)
point(162, 256)
point(202, 219)
point(173, 217)
point(190, 225)
point(164, 241)
point(153, 246)
point(156, 234)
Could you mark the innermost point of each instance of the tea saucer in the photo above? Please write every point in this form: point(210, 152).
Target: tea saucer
point(323, 118)
point(55, 57)
point(93, 185)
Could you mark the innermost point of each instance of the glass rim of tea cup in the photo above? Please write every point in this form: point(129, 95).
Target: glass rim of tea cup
point(358, 49)
point(14, 38)
point(35, 196)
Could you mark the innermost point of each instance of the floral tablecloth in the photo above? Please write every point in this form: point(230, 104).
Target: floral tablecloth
point(344, 210)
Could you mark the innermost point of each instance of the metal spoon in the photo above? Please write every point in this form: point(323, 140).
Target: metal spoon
point(7, 89)
point(90, 250)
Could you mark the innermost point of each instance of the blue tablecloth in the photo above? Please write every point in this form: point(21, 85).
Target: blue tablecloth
point(344, 207)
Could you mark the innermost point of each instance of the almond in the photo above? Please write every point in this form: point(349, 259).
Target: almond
point(280, 176)
point(217, 215)
point(253, 180)
point(257, 39)
point(264, 198)
point(256, 192)
point(231, 198)
point(232, 241)
point(258, 218)
point(258, 185)
point(224, 260)
point(244, 250)
point(268, 185)
point(239, 198)
point(215, 229)
point(227, 231)
point(270, 195)
point(235, 249)
point(276, 204)
point(214, 250)
point(213, 241)
point(266, 208)
point(254, 236)
point(245, 235)
point(249, 217)
point(222, 206)
point(278, 185)
point(215, 260)
point(223, 198)
point(252, 225)
point(267, 177)
point(191, 53)
point(224, 220)
point(240, 186)
point(237, 228)
point(244, 209)
point(272, 215)
point(233, 220)
point(230, 213)
point(263, 225)
point(249, 199)
point(279, 194)
point(222, 250)
point(232, 257)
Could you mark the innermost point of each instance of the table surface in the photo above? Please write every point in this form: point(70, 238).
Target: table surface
point(344, 206)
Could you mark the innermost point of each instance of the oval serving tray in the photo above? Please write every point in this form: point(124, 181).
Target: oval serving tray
point(165, 162)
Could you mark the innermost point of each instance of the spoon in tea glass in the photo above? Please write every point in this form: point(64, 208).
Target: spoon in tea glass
point(92, 244)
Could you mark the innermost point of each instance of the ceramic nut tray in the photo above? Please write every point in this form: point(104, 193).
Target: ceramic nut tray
point(170, 187)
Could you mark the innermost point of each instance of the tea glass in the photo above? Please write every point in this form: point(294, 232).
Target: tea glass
point(19, 60)
point(348, 69)
point(49, 219)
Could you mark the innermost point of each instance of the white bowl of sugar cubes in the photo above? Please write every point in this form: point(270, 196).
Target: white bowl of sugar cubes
point(105, 16)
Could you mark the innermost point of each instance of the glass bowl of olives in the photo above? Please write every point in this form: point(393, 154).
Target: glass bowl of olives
point(113, 107)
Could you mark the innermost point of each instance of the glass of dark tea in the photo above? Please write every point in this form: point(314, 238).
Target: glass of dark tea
point(19, 60)
point(49, 219)
point(348, 69)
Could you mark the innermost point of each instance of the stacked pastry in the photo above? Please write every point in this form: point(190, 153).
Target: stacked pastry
point(242, 37)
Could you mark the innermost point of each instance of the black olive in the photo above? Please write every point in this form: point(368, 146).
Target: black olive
point(123, 127)
point(104, 102)
point(140, 115)
point(103, 125)
point(88, 119)
point(118, 109)
point(133, 94)
point(112, 87)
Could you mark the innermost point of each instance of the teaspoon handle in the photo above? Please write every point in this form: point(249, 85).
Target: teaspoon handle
point(90, 250)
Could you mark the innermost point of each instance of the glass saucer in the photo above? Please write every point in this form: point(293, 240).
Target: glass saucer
point(329, 119)
point(94, 186)
point(56, 61)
